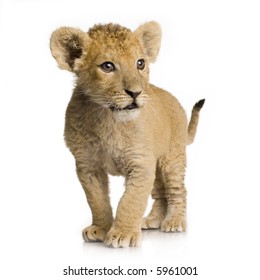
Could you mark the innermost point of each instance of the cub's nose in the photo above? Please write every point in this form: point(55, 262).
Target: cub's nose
point(133, 94)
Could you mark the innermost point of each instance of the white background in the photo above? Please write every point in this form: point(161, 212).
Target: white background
point(210, 49)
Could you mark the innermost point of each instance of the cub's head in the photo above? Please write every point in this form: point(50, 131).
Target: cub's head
point(111, 63)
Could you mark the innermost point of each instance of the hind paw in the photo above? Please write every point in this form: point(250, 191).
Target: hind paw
point(151, 223)
point(94, 233)
point(174, 224)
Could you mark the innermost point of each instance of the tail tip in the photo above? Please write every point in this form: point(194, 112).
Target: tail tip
point(199, 104)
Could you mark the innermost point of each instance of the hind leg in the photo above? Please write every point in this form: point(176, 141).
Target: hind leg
point(173, 170)
point(158, 212)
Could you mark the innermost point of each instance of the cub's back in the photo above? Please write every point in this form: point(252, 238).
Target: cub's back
point(166, 119)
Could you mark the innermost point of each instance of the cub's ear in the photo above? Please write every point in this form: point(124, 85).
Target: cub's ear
point(68, 46)
point(150, 35)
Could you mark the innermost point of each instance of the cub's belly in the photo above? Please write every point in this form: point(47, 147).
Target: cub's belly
point(113, 166)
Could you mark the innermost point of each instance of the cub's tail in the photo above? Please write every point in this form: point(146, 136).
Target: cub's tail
point(194, 121)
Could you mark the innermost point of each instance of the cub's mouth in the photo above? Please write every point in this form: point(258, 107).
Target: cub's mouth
point(129, 107)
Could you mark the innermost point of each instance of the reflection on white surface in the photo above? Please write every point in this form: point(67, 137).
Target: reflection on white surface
point(154, 244)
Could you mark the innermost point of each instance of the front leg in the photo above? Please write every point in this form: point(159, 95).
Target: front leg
point(126, 229)
point(95, 184)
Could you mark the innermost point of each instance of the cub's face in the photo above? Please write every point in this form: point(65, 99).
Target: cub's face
point(115, 72)
point(111, 63)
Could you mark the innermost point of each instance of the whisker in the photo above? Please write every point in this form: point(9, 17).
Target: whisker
point(109, 103)
point(102, 108)
point(102, 111)
point(151, 105)
point(78, 93)
point(97, 109)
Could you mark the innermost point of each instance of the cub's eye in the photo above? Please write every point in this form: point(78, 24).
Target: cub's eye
point(140, 64)
point(107, 67)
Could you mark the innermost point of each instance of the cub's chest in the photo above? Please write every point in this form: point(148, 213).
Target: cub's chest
point(112, 156)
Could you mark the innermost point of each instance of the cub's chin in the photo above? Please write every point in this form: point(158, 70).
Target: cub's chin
point(126, 114)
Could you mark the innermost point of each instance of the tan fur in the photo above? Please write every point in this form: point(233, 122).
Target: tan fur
point(146, 144)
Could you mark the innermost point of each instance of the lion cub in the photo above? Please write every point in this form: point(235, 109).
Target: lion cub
point(118, 123)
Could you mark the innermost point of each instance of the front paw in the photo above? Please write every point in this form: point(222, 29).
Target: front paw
point(175, 223)
point(94, 233)
point(117, 237)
